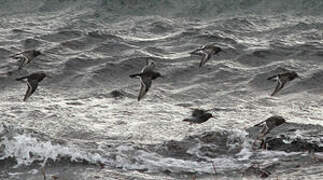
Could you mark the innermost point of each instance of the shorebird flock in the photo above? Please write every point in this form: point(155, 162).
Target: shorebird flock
point(147, 75)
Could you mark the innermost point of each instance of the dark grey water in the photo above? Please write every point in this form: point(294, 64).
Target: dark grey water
point(73, 122)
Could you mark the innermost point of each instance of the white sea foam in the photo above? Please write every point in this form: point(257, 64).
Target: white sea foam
point(26, 150)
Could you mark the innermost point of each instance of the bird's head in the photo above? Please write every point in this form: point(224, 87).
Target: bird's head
point(36, 53)
point(150, 61)
point(216, 49)
point(209, 115)
point(42, 75)
point(156, 75)
point(295, 75)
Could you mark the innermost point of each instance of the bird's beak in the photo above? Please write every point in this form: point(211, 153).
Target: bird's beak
point(299, 77)
point(50, 77)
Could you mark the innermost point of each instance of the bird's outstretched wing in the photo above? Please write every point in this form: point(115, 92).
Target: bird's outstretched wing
point(32, 86)
point(205, 57)
point(279, 86)
point(145, 84)
point(15, 55)
point(24, 60)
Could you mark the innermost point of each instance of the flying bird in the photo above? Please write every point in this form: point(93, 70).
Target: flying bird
point(146, 75)
point(32, 82)
point(199, 116)
point(282, 79)
point(206, 52)
point(26, 57)
point(267, 125)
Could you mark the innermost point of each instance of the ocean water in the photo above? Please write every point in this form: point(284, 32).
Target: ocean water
point(74, 127)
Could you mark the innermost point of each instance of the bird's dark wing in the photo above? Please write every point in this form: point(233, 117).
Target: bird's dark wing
point(279, 86)
point(205, 57)
point(145, 84)
point(24, 60)
point(32, 86)
point(28, 56)
point(15, 55)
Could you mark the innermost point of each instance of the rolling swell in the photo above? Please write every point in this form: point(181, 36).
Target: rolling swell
point(87, 114)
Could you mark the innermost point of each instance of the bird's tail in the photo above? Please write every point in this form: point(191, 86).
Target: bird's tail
point(134, 75)
point(190, 120)
point(21, 78)
point(260, 123)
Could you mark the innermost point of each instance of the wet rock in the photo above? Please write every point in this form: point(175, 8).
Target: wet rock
point(117, 94)
point(176, 149)
point(257, 171)
point(199, 147)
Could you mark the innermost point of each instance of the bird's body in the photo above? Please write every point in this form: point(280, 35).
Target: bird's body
point(272, 121)
point(270, 124)
point(206, 52)
point(282, 79)
point(146, 75)
point(199, 116)
point(32, 82)
point(26, 57)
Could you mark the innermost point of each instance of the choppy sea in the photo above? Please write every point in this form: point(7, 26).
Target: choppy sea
point(74, 127)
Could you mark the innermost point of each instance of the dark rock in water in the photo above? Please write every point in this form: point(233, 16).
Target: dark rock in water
point(210, 145)
point(295, 145)
point(289, 137)
point(254, 170)
point(177, 146)
point(117, 94)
